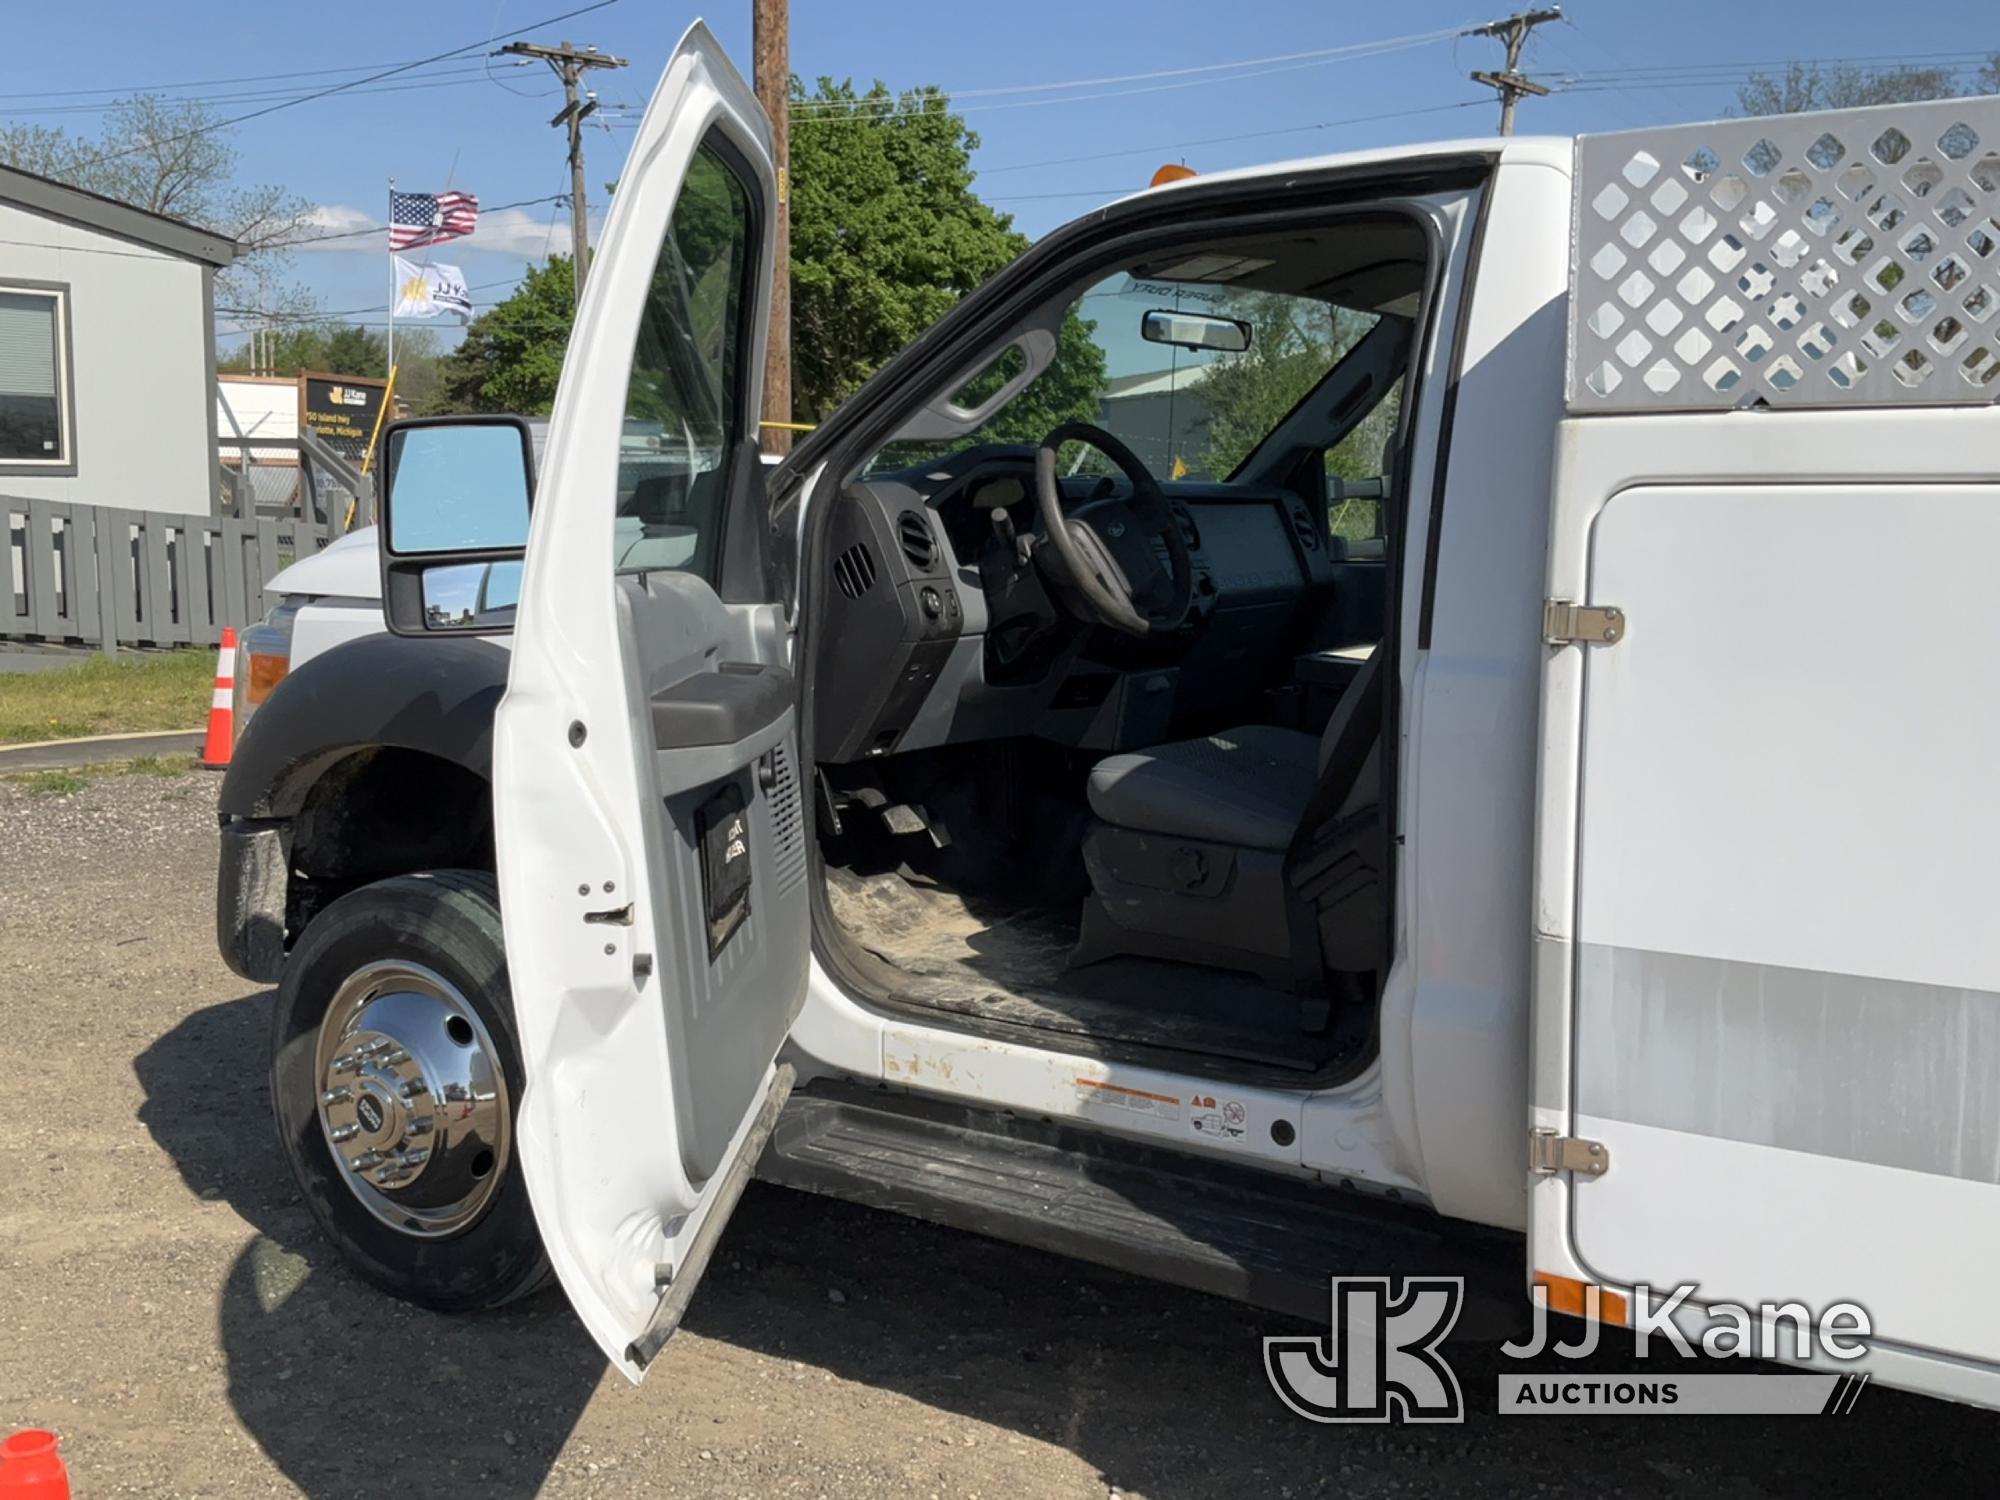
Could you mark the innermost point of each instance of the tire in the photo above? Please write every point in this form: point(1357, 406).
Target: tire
point(447, 924)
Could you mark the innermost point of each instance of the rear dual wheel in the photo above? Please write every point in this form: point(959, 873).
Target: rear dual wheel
point(395, 1068)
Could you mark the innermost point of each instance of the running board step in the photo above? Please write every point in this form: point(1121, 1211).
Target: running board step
point(1240, 1233)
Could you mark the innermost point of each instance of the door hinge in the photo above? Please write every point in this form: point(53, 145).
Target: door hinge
point(1549, 1153)
point(1564, 623)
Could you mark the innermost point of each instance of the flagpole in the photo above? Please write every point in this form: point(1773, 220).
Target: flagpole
point(390, 361)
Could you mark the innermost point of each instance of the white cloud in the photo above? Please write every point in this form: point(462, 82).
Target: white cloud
point(339, 219)
point(525, 232)
point(522, 231)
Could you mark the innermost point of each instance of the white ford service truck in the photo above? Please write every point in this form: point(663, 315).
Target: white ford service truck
point(1531, 787)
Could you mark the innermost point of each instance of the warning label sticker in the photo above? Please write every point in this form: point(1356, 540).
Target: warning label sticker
point(1218, 1119)
point(1095, 1093)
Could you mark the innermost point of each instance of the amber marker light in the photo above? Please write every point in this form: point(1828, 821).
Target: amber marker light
point(1570, 1296)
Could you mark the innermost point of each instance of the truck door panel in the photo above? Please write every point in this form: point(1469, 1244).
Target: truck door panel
point(722, 740)
point(1783, 980)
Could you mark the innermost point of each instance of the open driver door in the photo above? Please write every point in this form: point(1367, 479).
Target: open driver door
point(650, 836)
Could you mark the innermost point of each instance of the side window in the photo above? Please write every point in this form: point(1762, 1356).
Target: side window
point(683, 416)
point(1358, 477)
point(34, 394)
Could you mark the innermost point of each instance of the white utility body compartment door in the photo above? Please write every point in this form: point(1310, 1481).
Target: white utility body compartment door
point(1767, 966)
point(650, 837)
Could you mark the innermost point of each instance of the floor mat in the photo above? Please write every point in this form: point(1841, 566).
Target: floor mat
point(1010, 964)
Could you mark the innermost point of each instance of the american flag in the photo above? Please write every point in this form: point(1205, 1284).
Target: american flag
point(427, 219)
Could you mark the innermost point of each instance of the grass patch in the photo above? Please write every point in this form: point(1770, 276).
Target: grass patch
point(53, 783)
point(152, 765)
point(129, 693)
point(74, 778)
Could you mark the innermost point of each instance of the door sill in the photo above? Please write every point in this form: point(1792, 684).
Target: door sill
point(1244, 1234)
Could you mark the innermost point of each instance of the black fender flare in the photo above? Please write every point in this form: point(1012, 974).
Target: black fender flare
point(382, 691)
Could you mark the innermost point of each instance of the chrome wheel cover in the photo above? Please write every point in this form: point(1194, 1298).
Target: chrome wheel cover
point(412, 1102)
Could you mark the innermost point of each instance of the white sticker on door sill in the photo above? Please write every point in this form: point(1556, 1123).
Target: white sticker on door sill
point(1217, 1119)
point(1095, 1093)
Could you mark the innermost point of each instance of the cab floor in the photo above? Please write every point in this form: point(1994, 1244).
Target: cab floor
point(1010, 964)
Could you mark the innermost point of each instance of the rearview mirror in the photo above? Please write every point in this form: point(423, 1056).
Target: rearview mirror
point(456, 492)
point(1191, 330)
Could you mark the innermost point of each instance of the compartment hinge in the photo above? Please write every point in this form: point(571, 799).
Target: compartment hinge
point(1564, 623)
point(1549, 1153)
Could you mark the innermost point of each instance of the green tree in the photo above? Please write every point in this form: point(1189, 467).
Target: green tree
point(887, 233)
point(286, 351)
point(512, 354)
point(420, 361)
point(1071, 389)
point(1293, 343)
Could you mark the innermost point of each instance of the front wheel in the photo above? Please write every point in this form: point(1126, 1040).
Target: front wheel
point(395, 1070)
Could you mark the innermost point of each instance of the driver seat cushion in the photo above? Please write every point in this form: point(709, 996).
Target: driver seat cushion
point(1247, 787)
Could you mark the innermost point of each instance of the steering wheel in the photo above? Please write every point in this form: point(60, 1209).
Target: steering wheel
point(1106, 546)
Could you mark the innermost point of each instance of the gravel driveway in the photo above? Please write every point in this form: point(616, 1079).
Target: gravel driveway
point(166, 1304)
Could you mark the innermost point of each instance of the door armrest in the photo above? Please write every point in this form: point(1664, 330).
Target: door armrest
point(723, 707)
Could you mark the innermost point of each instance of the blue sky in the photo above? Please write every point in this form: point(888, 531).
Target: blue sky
point(1045, 156)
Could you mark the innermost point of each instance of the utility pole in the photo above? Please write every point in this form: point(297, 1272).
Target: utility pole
point(570, 64)
point(1513, 83)
point(771, 46)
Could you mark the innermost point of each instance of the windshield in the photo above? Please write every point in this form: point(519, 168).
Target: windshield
point(1160, 366)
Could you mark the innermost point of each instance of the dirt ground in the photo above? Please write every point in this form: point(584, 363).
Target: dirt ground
point(166, 1305)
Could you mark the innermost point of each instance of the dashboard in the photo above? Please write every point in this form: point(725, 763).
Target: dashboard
point(925, 571)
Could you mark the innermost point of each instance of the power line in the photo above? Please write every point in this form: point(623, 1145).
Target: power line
point(1318, 54)
point(439, 80)
point(193, 83)
point(818, 111)
point(1586, 77)
point(843, 114)
point(1870, 61)
point(321, 315)
point(1624, 107)
point(1683, 83)
point(1225, 140)
point(859, 112)
point(340, 88)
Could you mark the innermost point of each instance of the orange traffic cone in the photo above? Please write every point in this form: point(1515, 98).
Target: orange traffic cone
point(31, 1469)
point(222, 707)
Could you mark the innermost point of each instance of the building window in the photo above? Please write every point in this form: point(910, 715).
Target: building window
point(34, 378)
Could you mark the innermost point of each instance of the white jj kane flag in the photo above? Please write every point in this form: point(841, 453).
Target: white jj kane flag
point(427, 291)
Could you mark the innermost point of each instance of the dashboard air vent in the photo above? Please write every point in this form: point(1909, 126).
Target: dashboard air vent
point(1308, 534)
point(854, 570)
point(913, 534)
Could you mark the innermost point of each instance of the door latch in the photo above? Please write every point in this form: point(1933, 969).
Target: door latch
point(1565, 624)
point(1549, 1153)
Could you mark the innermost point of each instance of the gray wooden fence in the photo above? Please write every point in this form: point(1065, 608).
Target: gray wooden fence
point(106, 577)
point(96, 574)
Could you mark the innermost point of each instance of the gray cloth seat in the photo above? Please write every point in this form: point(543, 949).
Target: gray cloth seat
point(1246, 787)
